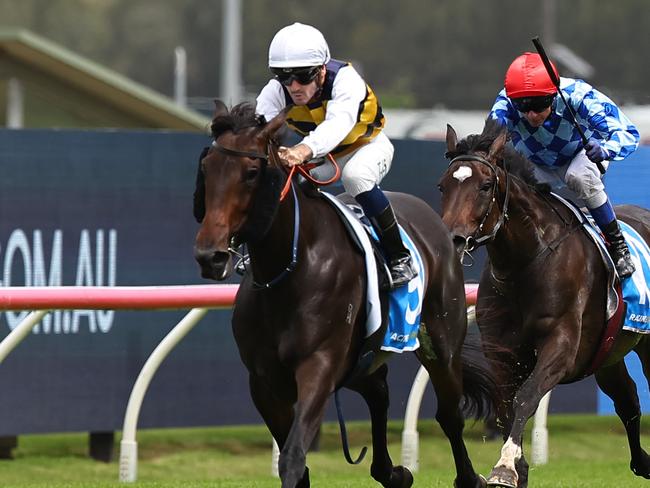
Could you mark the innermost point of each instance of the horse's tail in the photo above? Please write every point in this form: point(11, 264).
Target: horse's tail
point(480, 386)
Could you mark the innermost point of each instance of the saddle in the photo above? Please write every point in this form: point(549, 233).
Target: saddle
point(392, 325)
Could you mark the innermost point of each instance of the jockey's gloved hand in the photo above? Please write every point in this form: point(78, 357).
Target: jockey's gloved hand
point(595, 152)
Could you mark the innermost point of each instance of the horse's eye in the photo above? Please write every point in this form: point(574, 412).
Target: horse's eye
point(487, 186)
point(251, 174)
point(440, 188)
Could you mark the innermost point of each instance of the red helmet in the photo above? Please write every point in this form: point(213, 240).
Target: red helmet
point(527, 77)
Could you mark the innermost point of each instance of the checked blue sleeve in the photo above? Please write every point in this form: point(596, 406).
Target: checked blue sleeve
point(556, 142)
point(616, 133)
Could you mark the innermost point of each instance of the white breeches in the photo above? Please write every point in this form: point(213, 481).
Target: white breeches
point(580, 176)
point(364, 168)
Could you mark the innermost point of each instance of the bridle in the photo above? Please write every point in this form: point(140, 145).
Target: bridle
point(473, 242)
point(267, 158)
point(243, 154)
point(271, 157)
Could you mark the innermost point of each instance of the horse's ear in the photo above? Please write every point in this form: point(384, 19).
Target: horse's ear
point(452, 139)
point(496, 148)
point(220, 108)
point(274, 124)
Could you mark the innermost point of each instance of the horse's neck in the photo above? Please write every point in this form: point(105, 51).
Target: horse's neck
point(530, 227)
point(273, 253)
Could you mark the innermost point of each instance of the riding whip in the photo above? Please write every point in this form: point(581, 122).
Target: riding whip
point(556, 81)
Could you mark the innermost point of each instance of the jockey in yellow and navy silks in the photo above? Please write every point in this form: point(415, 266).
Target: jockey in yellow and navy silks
point(336, 112)
point(540, 125)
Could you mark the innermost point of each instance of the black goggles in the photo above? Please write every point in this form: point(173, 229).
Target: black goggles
point(533, 104)
point(304, 76)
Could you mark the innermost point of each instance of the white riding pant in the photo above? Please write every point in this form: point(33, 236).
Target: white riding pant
point(580, 177)
point(364, 168)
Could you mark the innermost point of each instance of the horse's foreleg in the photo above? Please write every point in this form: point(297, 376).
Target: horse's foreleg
point(278, 414)
point(509, 384)
point(617, 384)
point(446, 377)
point(314, 384)
point(374, 390)
point(553, 363)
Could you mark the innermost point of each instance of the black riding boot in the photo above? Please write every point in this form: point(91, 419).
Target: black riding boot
point(618, 250)
point(399, 258)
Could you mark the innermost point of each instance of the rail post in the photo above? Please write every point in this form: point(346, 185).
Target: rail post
point(128, 445)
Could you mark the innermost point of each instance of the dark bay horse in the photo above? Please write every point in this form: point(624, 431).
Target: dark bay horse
point(299, 315)
point(542, 294)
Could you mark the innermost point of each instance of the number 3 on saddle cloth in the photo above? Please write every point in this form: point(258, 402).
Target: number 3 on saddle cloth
point(400, 315)
point(635, 292)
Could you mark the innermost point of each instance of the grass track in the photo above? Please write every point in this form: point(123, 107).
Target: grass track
point(585, 451)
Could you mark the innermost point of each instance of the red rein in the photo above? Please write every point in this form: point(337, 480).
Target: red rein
point(303, 169)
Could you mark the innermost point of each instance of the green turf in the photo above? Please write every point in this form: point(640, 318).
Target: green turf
point(585, 451)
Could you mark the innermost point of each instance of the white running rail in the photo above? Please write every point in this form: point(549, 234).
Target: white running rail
point(44, 299)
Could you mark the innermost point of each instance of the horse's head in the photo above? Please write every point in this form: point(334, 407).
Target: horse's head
point(237, 187)
point(471, 186)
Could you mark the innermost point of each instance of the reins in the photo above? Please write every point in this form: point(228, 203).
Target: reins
point(272, 157)
point(304, 169)
point(294, 247)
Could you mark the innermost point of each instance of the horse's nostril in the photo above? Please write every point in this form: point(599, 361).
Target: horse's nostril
point(203, 256)
point(220, 259)
point(214, 265)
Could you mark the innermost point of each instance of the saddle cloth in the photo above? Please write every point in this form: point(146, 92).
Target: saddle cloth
point(636, 294)
point(405, 302)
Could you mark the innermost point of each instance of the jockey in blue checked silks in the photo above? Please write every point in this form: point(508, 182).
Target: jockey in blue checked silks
point(540, 126)
point(335, 111)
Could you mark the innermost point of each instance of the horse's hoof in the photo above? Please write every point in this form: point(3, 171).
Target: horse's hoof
point(499, 484)
point(501, 477)
point(642, 468)
point(401, 477)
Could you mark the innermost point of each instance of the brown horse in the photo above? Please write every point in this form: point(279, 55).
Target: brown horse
point(542, 294)
point(299, 315)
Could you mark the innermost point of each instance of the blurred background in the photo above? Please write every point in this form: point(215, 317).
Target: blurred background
point(427, 60)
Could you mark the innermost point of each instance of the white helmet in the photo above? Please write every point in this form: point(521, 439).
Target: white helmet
point(298, 45)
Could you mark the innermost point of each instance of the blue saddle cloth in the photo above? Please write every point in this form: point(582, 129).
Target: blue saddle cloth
point(405, 302)
point(405, 305)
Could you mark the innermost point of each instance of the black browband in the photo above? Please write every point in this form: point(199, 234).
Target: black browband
point(245, 154)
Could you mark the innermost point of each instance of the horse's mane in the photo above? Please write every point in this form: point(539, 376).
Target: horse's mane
point(241, 116)
point(515, 162)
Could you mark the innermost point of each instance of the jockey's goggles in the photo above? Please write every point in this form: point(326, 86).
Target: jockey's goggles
point(533, 104)
point(304, 76)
